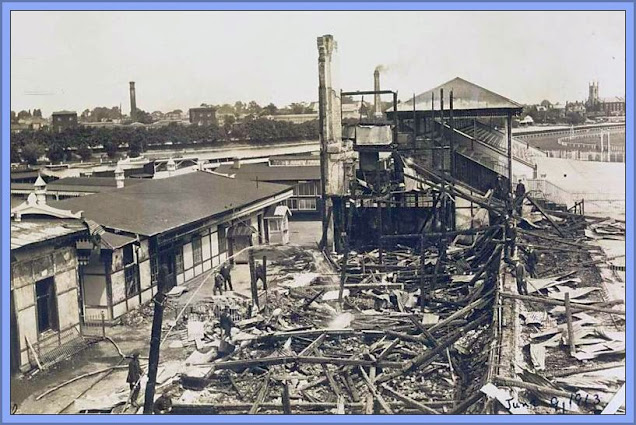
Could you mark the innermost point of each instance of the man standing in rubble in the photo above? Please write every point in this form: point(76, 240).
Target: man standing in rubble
point(259, 273)
point(133, 378)
point(219, 281)
point(532, 258)
point(499, 190)
point(225, 322)
point(520, 274)
point(520, 192)
point(225, 272)
point(511, 238)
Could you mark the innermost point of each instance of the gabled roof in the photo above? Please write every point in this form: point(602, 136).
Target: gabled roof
point(33, 223)
point(466, 96)
point(277, 211)
point(156, 206)
point(267, 173)
point(30, 232)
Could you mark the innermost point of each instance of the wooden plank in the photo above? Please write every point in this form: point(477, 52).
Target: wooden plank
point(533, 387)
point(463, 312)
point(557, 240)
point(542, 211)
point(375, 392)
point(330, 379)
point(388, 349)
point(467, 403)
point(409, 401)
point(428, 356)
point(315, 344)
point(351, 387)
point(262, 393)
point(35, 355)
point(340, 410)
point(551, 301)
point(615, 403)
point(285, 399)
point(574, 371)
point(568, 317)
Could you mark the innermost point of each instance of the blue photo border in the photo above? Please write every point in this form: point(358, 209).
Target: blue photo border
point(7, 7)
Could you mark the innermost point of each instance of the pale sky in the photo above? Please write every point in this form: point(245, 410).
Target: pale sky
point(78, 60)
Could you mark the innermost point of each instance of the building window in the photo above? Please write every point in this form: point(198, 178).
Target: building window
point(132, 280)
point(307, 204)
point(178, 258)
point(222, 239)
point(154, 270)
point(197, 251)
point(129, 257)
point(274, 225)
point(46, 305)
point(292, 204)
point(307, 189)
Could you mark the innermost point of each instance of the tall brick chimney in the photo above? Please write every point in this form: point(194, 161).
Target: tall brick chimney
point(133, 101)
point(376, 100)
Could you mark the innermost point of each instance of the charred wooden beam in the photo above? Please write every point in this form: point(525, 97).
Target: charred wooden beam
point(550, 301)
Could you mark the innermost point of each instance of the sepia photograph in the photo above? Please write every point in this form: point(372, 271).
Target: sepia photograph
point(315, 212)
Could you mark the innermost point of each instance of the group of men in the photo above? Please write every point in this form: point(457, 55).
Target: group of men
point(223, 279)
point(521, 269)
point(501, 192)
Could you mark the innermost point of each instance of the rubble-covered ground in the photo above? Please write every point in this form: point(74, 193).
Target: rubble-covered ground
point(403, 337)
point(586, 376)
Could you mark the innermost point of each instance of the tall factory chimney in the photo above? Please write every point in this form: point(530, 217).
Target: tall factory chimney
point(133, 101)
point(376, 100)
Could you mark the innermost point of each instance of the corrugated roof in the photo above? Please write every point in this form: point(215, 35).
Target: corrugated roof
point(156, 206)
point(113, 241)
point(28, 232)
point(466, 96)
point(24, 174)
point(79, 184)
point(88, 181)
point(241, 229)
point(266, 173)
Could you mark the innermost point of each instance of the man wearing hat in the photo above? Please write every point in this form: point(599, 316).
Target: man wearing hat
point(520, 274)
point(225, 272)
point(520, 192)
point(532, 258)
point(133, 378)
point(219, 281)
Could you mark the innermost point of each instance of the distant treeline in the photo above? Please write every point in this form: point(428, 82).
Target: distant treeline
point(28, 146)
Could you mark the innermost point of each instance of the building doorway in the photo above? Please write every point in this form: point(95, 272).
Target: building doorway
point(46, 305)
point(167, 258)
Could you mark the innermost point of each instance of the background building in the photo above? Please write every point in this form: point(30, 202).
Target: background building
point(62, 120)
point(203, 116)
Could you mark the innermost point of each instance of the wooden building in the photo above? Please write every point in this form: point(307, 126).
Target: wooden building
point(45, 314)
point(191, 223)
point(304, 180)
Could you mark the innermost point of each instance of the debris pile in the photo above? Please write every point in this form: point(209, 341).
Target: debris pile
point(570, 345)
point(399, 336)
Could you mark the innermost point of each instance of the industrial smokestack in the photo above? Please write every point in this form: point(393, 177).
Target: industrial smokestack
point(376, 87)
point(133, 101)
